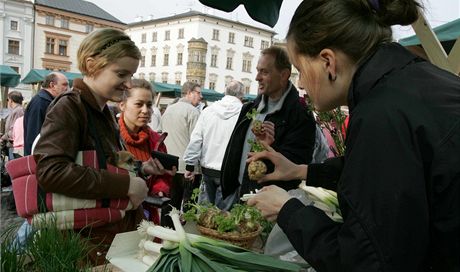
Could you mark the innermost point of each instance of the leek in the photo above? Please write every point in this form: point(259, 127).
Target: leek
point(199, 253)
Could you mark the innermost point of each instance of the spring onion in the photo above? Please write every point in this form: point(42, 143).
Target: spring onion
point(323, 199)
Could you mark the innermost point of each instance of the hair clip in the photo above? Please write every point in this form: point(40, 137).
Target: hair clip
point(110, 43)
point(375, 4)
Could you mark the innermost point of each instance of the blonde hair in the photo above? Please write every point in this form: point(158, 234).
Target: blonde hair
point(105, 46)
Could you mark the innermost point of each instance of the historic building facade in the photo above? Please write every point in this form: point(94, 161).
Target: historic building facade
point(199, 47)
point(60, 27)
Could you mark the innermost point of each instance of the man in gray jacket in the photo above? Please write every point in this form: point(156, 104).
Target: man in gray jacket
point(178, 121)
point(209, 140)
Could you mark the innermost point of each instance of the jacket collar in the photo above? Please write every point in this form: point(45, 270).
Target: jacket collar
point(388, 58)
point(43, 93)
point(86, 94)
point(291, 94)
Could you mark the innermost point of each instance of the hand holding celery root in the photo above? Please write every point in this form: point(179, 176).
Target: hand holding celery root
point(284, 169)
point(266, 133)
point(269, 200)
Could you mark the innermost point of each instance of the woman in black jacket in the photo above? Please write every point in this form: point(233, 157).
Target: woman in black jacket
point(399, 183)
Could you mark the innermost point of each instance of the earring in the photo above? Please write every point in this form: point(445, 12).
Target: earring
point(332, 78)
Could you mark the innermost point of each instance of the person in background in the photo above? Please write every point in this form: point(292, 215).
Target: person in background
point(15, 99)
point(155, 122)
point(288, 125)
point(53, 85)
point(209, 140)
point(140, 139)
point(398, 185)
point(18, 137)
point(178, 121)
point(107, 58)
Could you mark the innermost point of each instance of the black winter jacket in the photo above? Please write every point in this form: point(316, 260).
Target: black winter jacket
point(294, 138)
point(399, 189)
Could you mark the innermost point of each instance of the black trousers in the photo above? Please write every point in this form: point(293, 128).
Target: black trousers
point(181, 192)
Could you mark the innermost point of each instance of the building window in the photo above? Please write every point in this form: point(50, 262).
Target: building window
point(13, 47)
point(89, 28)
point(212, 85)
point(179, 58)
point(141, 76)
point(142, 61)
point(49, 20)
point(214, 60)
point(247, 66)
point(154, 36)
point(153, 60)
point(231, 37)
point(215, 34)
point(166, 59)
point(14, 25)
point(152, 76)
point(264, 44)
point(229, 63)
point(143, 38)
point(178, 78)
point(164, 77)
point(167, 33)
point(65, 23)
point(50, 45)
point(248, 41)
point(62, 48)
point(181, 34)
point(247, 85)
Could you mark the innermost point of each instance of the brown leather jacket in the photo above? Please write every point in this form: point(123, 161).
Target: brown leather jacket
point(63, 134)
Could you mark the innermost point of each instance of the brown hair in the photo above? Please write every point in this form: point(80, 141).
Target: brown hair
point(188, 87)
point(16, 97)
point(280, 55)
point(355, 27)
point(141, 84)
point(106, 46)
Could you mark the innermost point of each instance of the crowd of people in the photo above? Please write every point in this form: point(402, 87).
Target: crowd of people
point(398, 184)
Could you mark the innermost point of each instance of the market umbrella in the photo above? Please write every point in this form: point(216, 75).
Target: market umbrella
point(38, 75)
point(266, 12)
point(8, 76)
point(447, 34)
point(173, 90)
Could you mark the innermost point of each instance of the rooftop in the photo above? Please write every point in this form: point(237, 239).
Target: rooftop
point(194, 13)
point(80, 7)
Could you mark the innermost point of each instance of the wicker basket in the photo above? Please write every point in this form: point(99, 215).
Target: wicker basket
point(243, 240)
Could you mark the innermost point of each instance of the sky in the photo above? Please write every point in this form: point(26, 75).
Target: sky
point(437, 12)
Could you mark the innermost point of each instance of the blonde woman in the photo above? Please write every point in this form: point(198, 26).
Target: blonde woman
point(107, 59)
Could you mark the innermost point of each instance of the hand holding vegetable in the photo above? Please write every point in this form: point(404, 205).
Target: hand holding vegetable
point(266, 134)
point(269, 200)
point(284, 169)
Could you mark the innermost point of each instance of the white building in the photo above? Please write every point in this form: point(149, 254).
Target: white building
point(16, 30)
point(199, 47)
point(60, 27)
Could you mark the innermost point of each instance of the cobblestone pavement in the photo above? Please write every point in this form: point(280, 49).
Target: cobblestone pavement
point(8, 218)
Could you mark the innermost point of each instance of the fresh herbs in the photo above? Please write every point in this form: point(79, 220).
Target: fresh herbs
point(241, 218)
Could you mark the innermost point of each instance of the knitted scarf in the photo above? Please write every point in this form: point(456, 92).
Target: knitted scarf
point(136, 143)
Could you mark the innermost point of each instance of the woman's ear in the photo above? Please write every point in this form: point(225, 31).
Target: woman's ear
point(122, 105)
point(329, 58)
point(90, 63)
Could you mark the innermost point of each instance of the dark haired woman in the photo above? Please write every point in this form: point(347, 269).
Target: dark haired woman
point(399, 183)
